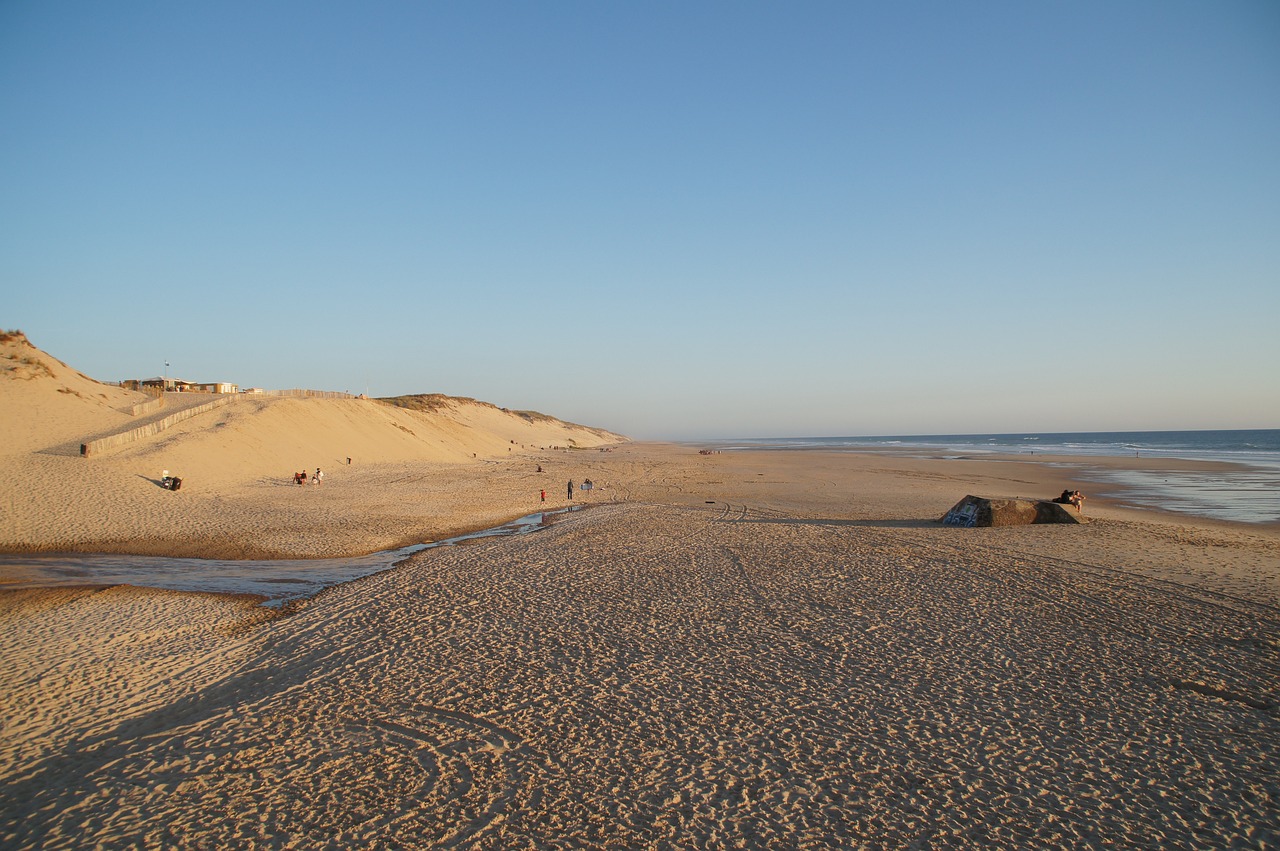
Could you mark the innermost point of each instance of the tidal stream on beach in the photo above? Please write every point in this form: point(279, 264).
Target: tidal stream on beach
point(277, 580)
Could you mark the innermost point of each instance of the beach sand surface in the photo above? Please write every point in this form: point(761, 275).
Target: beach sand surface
point(754, 649)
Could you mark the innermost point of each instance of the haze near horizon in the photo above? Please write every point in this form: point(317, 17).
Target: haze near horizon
point(668, 220)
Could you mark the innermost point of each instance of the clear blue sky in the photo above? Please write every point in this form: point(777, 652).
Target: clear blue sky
point(674, 220)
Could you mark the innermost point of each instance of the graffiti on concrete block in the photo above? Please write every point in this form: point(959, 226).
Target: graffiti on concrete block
point(962, 515)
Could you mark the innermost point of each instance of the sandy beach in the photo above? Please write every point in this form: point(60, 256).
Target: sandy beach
point(754, 649)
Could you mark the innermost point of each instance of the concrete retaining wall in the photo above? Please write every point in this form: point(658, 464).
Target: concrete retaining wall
point(102, 444)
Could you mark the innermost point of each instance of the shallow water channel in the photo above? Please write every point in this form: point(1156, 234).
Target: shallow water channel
point(277, 580)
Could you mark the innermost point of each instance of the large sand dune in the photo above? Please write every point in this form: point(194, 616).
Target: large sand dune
point(422, 469)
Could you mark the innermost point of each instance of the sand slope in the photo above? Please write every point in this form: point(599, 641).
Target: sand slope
point(44, 402)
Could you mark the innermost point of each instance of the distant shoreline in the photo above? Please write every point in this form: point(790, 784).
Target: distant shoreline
point(1244, 489)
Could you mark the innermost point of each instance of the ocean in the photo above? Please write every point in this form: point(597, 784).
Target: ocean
point(1248, 492)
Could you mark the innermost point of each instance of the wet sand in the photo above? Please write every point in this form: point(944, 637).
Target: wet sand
point(765, 649)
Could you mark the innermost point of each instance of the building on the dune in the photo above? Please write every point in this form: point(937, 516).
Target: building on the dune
point(216, 387)
point(177, 385)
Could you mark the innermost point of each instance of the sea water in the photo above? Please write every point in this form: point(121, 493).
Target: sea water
point(1249, 491)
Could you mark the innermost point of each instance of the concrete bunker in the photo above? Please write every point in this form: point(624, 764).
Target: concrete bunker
point(983, 511)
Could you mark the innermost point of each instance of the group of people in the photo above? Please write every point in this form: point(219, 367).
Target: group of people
point(301, 478)
point(1070, 497)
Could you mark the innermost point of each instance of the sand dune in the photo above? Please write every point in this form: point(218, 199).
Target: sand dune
point(421, 470)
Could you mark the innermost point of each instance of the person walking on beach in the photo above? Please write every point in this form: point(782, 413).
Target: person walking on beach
point(544, 494)
point(571, 489)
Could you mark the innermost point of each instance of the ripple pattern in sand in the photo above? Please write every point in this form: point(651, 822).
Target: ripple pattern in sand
point(651, 676)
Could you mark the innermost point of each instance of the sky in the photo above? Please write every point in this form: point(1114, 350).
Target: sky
point(684, 220)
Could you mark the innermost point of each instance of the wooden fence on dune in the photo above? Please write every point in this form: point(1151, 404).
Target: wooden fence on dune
point(310, 394)
point(102, 444)
point(147, 407)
